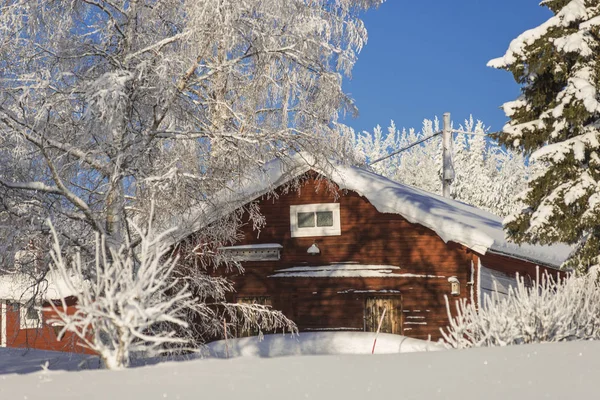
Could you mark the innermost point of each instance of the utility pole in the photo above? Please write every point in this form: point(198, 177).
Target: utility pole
point(447, 169)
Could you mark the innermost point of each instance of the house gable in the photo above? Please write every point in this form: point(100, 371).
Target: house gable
point(451, 220)
point(375, 256)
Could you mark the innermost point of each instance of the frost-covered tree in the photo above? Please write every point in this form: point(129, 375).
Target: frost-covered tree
point(556, 120)
point(108, 105)
point(548, 310)
point(482, 167)
point(140, 305)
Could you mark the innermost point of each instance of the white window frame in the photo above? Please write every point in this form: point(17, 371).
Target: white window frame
point(26, 323)
point(334, 230)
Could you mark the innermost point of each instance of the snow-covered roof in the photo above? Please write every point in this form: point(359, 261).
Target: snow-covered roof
point(340, 270)
point(451, 220)
point(22, 287)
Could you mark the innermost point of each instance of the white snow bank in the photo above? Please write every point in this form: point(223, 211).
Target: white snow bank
point(500, 373)
point(22, 287)
point(451, 220)
point(23, 361)
point(253, 246)
point(318, 343)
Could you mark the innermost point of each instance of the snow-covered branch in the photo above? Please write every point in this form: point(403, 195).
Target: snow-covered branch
point(548, 310)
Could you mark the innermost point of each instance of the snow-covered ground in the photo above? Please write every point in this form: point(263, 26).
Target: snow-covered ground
point(20, 361)
point(318, 343)
point(552, 371)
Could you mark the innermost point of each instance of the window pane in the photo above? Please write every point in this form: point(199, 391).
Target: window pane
point(306, 220)
point(32, 314)
point(324, 218)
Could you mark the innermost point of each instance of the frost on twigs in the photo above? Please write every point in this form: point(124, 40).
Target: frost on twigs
point(481, 165)
point(123, 305)
point(107, 106)
point(214, 317)
point(548, 310)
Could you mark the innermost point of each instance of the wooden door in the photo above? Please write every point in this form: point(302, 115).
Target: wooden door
point(251, 330)
point(374, 307)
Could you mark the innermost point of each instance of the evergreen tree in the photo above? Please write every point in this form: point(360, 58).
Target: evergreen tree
point(487, 176)
point(556, 121)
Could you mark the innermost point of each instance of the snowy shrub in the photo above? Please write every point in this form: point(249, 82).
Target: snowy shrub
point(125, 304)
point(147, 303)
point(549, 310)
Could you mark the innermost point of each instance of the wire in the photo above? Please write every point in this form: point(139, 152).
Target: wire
point(427, 138)
point(475, 134)
point(406, 148)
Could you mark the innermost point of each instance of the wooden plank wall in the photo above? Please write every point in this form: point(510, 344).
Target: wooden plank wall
point(44, 338)
point(510, 267)
point(368, 237)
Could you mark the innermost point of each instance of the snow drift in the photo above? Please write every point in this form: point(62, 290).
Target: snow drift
point(318, 343)
point(515, 372)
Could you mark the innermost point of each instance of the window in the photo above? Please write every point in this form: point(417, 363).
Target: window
point(31, 318)
point(315, 220)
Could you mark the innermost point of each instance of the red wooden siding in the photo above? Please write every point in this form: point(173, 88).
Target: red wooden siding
point(367, 237)
point(512, 266)
point(44, 338)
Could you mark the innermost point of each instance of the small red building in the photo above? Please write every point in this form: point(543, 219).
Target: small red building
point(343, 244)
point(27, 324)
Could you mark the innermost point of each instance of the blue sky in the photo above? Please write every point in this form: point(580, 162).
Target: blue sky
point(426, 57)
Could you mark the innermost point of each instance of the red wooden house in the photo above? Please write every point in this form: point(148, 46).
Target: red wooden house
point(334, 257)
point(339, 247)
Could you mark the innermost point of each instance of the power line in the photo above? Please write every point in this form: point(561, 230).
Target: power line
point(406, 148)
point(429, 137)
point(475, 134)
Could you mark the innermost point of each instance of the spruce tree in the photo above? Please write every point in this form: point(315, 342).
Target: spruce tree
point(556, 120)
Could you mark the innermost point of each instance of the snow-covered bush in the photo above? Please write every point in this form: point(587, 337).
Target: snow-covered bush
point(548, 310)
point(481, 165)
point(147, 303)
point(123, 305)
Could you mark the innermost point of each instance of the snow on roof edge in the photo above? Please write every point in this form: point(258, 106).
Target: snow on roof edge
point(450, 219)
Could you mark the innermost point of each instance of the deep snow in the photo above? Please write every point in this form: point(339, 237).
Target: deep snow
point(23, 361)
point(551, 371)
point(318, 343)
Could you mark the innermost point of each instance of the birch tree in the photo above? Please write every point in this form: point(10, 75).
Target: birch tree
point(108, 105)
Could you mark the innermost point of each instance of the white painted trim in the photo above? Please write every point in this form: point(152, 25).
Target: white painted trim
point(479, 283)
point(25, 323)
point(3, 329)
point(472, 289)
point(334, 230)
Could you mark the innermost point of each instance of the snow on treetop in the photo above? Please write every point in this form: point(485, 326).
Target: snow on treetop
point(572, 12)
point(451, 220)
